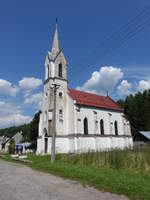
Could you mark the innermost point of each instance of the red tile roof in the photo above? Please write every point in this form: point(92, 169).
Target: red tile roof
point(93, 100)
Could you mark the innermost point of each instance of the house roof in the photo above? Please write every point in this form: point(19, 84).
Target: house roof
point(145, 134)
point(94, 100)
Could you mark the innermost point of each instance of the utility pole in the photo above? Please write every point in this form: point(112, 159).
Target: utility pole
point(54, 125)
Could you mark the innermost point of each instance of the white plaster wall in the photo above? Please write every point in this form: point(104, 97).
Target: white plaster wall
point(61, 104)
point(103, 143)
point(101, 114)
point(44, 109)
point(70, 116)
point(62, 145)
point(39, 146)
point(86, 144)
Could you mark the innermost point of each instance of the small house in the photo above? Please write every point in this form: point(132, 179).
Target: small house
point(142, 137)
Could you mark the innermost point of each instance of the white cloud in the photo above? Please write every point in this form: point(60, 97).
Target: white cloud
point(14, 119)
point(6, 88)
point(11, 115)
point(29, 83)
point(34, 99)
point(8, 109)
point(124, 88)
point(103, 80)
point(144, 85)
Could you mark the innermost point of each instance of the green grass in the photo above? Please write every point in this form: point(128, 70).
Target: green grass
point(121, 172)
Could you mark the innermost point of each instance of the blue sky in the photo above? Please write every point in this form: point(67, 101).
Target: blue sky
point(27, 30)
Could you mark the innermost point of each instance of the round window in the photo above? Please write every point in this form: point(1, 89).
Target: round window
point(60, 94)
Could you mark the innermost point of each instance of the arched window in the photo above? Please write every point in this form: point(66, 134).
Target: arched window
point(102, 127)
point(60, 70)
point(45, 132)
point(47, 71)
point(45, 116)
point(116, 128)
point(85, 123)
point(46, 140)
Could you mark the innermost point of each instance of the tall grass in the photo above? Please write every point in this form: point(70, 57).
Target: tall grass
point(138, 159)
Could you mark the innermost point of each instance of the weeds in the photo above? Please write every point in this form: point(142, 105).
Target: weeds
point(129, 159)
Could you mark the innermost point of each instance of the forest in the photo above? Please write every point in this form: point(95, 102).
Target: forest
point(136, 108)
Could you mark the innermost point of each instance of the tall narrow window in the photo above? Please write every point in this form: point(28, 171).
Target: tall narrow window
point(47, 71)
point(85, 126)
point(116, 128)
point(102, 127)
point(60, 70)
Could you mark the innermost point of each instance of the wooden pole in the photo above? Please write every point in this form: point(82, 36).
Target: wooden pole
point(54, 125)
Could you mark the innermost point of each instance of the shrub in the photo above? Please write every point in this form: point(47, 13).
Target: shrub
point(11, 147)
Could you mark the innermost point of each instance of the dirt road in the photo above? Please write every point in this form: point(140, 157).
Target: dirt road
point(18, 182)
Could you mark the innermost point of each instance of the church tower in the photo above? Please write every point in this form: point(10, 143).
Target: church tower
point(55, 73)
point(55, 63)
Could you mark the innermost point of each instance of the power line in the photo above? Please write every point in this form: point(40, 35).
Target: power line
point(121, 41)
point(130, 25)
point(122, 30)
point(117, 39)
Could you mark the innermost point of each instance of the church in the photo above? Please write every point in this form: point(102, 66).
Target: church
point(83, 121)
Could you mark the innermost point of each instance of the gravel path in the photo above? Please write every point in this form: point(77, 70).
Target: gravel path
point(18, 182)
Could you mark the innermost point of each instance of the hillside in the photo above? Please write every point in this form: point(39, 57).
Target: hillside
point(30, 131)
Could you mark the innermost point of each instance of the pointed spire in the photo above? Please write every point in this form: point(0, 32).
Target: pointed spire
point(56, 47)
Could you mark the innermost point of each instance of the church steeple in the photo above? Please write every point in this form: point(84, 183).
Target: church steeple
point(55, 62)
point(55, 46)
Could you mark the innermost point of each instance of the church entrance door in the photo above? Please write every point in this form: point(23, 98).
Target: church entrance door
point(46, 144)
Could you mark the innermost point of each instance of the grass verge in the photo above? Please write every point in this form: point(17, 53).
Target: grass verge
point(131, 182)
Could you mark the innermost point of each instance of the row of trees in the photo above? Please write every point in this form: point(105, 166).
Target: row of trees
point(137, 109)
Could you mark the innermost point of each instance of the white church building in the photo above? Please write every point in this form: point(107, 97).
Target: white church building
point(84, 121)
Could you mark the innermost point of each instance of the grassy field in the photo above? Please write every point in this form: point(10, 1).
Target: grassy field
point(123, 172)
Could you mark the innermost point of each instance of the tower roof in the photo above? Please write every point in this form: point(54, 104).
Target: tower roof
point(55, 46)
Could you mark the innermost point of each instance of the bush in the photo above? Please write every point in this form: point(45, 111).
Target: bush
point(11, 148)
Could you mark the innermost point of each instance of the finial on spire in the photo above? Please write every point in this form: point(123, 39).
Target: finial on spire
point(57, 24)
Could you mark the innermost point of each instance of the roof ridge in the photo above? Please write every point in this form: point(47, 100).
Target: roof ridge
point(94, 100)
point(87, 92)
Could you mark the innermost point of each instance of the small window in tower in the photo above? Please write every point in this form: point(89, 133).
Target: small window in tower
point(60, 111)
point(60, 70)
point(60, 94)
point(60, 114)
